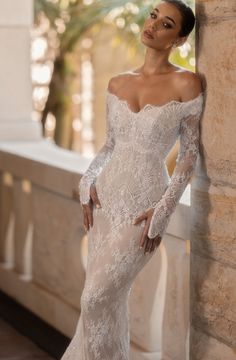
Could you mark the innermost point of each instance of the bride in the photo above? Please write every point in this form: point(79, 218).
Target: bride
point(126, 194)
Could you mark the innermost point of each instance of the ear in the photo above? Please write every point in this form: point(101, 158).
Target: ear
point(181, 41)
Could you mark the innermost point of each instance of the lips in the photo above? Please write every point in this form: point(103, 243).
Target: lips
point(148, 34)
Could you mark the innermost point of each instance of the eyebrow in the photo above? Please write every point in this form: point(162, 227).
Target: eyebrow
point(157, 10)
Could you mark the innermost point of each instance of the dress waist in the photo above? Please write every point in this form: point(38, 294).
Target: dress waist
point(126, 187)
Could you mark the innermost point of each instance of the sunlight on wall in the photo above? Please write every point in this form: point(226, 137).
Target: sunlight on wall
point(43, 47)
point(87, 134)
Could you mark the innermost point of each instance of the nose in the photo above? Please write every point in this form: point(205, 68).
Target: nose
point(154, 26)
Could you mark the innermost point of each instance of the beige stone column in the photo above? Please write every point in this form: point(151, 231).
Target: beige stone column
point(15, 90)
point(213, 245)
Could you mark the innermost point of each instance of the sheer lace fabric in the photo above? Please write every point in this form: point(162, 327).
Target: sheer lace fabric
point(130, 176)
point(114, 260)
point(138, 144)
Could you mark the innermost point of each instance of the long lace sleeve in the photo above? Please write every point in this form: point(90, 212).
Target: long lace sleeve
point(97, 164)
point(185, 164)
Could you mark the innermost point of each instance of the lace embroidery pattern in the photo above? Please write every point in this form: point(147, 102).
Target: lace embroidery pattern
point(138, 143)
point(103, 329)
point(98, 162)
point(130, 176)
point(185, 164)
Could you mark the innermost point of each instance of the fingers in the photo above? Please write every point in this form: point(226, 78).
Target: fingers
point(88, 215)
point(88, 208)
point(150, 244)
point(154, 244)
point(140, 218)
point(94, 196)
point(86, 222)
point(144, 234)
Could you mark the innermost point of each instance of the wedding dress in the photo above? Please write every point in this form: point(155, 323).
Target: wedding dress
point(131, 176)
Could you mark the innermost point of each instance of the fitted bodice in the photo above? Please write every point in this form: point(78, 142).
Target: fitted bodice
point(129, 172)
point(154, 128)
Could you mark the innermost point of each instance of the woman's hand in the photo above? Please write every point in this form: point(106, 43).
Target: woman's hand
point(88, 208)
point(148, 243)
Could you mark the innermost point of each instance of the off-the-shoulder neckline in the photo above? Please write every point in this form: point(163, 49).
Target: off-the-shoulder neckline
point(199, 96)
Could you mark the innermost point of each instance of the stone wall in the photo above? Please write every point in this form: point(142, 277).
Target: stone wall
point(213, 250)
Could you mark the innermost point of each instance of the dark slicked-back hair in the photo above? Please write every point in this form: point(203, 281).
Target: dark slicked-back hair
point(188, 17)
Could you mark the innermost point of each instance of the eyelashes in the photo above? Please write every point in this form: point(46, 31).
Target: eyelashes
point(165, 24)
point(152, 13)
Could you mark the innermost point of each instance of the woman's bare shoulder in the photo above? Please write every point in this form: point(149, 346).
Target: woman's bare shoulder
point(189, 84)
point(118, 80)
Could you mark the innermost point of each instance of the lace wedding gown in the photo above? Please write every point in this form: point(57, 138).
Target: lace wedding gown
point(130, 176)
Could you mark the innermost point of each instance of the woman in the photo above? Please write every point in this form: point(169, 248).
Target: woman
point(126, 194)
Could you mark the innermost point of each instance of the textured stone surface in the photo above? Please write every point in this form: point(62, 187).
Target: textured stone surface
point(213, 231)
point(216, 62)
point(205, 347)
point(58, 230)
point(213, 298)
point(209, 10)
point(214, 225)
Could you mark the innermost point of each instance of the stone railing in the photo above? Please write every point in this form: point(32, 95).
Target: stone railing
point(43, 252)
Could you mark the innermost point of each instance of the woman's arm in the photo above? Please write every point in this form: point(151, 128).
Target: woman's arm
point(185, 163)
point(97, 164)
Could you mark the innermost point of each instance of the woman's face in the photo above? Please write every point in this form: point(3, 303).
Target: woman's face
point(162, 27)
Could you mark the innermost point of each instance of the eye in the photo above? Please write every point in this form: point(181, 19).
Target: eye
point(166, 25)
point(153, 15)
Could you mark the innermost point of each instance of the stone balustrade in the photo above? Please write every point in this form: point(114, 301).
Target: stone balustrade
point(43, 251)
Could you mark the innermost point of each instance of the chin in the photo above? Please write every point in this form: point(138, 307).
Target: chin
point(144, 40)
point(148, 45)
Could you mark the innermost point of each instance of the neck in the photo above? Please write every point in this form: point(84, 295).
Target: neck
point(156, 62)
